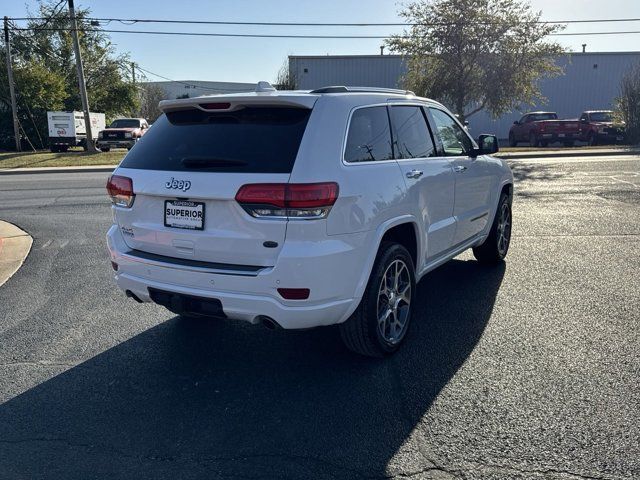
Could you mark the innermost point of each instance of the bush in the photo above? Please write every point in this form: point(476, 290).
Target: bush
point(629, 103)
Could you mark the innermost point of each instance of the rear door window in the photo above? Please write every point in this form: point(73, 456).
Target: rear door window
point(369, 136)
point(249, 140)
point(410, 132)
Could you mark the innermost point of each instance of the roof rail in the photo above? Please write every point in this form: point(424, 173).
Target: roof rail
point(343, 89)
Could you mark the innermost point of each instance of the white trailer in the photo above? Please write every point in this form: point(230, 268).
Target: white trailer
point(67, 129)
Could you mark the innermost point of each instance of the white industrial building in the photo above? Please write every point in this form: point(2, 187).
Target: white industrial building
point(591, 81)
point(196, 88)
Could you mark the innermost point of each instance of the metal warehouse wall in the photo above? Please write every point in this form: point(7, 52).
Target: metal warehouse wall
point(591, 81)
point(361, 70)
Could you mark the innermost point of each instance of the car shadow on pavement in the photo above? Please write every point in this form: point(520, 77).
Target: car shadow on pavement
point(224, 399)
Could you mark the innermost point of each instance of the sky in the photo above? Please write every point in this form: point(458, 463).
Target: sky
point(254, 59)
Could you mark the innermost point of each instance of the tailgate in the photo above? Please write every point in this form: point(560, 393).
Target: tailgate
point(229, 234)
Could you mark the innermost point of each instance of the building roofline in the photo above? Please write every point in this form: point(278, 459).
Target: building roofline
point(631, 52)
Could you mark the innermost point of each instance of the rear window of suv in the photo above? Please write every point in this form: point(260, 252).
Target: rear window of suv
point(249, 140)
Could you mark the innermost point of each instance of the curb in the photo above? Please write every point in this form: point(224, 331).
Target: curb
point(566, 153)
point(78, 169)
point(15, 245)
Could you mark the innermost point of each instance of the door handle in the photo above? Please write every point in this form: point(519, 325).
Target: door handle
point(414, 174)
point(459, 168)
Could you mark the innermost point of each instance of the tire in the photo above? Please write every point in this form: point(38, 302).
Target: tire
point(533, 139)
point(496, 245)
point(512, 140)
point(105, 149)
point(569, 143)
point(64, 148)
point(54, 149)
point(592, 139)
point(362, 333)
point(544, 144)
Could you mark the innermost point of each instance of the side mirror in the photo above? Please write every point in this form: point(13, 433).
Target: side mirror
point(583, 120)
point(517, 122)
point(488, 145)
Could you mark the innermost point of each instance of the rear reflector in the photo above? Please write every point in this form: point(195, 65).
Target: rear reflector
point(120, 190)
point(292, 200)
point(294, 293)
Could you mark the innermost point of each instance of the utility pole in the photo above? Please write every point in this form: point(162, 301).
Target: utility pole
point(12, 92)
point(81, 83)
point(133, 72)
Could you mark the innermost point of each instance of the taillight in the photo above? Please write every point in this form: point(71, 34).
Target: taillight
point(121, 190)
point(288, 200)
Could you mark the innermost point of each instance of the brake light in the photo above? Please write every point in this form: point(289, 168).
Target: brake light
point(215, 106)
point(288, 200)
point(120, 190)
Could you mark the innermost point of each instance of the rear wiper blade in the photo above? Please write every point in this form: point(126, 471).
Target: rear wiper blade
point(205, 162)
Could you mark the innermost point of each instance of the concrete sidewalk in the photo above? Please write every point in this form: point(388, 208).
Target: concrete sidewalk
point(75, 169)
point(15, 245)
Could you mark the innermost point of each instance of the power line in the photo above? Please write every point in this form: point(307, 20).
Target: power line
point(320, 24)
point(251, 35)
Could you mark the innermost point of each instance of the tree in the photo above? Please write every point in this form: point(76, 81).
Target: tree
point(477, 54)
point(46, 79)
point(285, 79)
point(150, 96)
point(629, 103)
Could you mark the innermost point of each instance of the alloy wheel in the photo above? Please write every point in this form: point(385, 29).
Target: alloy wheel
point(394, 302)
point(504, 229)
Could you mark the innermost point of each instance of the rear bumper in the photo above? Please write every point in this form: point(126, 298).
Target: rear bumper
point(331, 272)
point(67, 141)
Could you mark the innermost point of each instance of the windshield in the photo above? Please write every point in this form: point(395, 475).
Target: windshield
point(252, 140)
point(125, 123)
point(601, 117)
point(536, 117)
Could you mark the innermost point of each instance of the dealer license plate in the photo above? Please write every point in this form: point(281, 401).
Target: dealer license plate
point(184, 214)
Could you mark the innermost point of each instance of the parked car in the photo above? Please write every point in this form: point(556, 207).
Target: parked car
point(598, 126)
point(302, 209)
point(123, 133)
point(543, 128)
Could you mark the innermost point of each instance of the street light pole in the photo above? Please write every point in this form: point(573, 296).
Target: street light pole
point(81, 82)
point(12, 92)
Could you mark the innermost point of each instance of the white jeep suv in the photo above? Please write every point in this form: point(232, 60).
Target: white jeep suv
point(300, 209)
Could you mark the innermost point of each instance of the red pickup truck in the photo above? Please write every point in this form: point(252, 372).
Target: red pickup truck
point(123, 133)
point(543, 128)
point(598, 126)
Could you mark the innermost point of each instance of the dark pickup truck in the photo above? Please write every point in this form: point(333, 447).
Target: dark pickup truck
point(598, 127)
point(543, 128)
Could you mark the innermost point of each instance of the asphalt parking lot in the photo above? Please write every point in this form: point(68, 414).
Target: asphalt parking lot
point(529, 370)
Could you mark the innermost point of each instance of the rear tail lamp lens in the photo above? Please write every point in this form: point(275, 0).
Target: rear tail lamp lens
point(294, 293)
point(288, 200)
point(120, 190)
